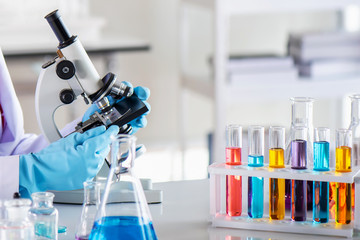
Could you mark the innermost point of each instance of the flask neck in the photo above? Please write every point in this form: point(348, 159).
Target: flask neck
point(92, 194)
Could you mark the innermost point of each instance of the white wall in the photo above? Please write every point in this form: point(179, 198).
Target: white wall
point(158, 69)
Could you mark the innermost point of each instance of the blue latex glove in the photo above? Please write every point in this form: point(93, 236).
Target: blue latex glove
point(143, 94)
point(66, 163)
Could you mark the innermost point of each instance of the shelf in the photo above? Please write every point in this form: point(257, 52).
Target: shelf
point(105, 44)
point(232, 7)
point(276, 89)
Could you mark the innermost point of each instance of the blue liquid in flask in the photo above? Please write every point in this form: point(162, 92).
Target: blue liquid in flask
point(122, 227)
point(255, 189)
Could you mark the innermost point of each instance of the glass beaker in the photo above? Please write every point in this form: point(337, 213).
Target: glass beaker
point(123, 218)
point(355, 129)
point(301, 116)
point(233, 183)
point(16, 225)
point(44, 216)
point(89, 209)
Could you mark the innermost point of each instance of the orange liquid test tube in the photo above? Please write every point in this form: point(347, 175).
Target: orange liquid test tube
point(276, 186)
point(343, 191)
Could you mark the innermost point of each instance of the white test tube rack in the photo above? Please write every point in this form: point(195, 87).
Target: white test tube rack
point(218, 172)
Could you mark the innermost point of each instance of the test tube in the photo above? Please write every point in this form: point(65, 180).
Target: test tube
point(298, 159)
point(276, 160)
point(321, 163)
point(343, 164)
point(233, 183)
point(256, 184)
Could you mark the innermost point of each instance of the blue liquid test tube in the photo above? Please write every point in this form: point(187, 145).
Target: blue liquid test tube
point(321, 163)
point(256, 184)
point(298, 161)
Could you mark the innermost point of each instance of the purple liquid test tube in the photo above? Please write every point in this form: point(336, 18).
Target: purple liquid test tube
point(298, 187)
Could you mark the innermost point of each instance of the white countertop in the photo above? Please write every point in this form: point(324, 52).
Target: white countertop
point(183, 215)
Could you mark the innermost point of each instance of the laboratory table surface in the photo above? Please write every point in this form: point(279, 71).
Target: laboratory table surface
point(183, 215)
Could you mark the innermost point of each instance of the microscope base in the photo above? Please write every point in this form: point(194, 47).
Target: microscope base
point(121, 195)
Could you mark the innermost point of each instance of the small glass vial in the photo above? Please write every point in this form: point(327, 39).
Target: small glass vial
point(343, 192)
point(276, 160)
point(321, 163)
point(233, 183)
point(90, 206)
point(256, 184)
point(44, 216)
point(16, 224)
point(298, 158)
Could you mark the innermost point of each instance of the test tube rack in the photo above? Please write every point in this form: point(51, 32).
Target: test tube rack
point(219, 218)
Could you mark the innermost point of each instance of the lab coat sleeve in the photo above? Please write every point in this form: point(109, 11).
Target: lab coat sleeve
point(34, 143)
point(9, 176)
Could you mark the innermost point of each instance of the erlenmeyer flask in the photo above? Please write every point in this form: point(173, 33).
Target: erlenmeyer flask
point(90, 206)
point(130, 218)
point(355, 129)
point(301, 116)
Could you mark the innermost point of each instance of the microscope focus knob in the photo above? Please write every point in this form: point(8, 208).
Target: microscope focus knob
point(67, 96)
point(65, 69)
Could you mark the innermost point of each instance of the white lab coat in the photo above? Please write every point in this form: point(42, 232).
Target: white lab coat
point(13, 140)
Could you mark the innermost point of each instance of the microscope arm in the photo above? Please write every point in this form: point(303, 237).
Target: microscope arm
point(47, 100)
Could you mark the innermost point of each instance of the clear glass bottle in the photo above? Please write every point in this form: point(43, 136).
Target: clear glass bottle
point(128, 219)
point(321, 163)
point(44, 216)
point(298, 162)
point(16, 225)
point(355, 129)
point(89, 209)
point(256, 184)
point(233, 183)
point(301, 116)
point(343, 164)
point(276, 185)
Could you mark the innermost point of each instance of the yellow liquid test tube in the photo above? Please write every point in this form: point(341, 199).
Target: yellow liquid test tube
point(343, 159)
point(276, 186)
point(343, 191)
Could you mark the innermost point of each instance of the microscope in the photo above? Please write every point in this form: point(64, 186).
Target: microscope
point(71, 74)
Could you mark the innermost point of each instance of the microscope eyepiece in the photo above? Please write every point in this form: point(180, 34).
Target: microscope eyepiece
point(60, 30)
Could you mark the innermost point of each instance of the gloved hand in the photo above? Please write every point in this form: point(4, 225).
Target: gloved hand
point(143, 93)
point(66, 163)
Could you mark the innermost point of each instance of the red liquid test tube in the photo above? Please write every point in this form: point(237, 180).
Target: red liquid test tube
point(233, 183)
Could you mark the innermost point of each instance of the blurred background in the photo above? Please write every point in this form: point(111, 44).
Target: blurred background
point(177, 141)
